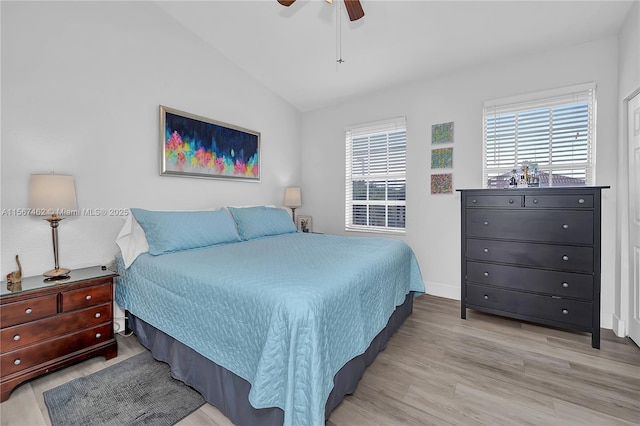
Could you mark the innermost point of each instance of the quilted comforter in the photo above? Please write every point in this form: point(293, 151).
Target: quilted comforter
point(283, 312)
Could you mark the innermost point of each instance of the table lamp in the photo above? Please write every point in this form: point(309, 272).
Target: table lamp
point(292, 199)
point(53, 194)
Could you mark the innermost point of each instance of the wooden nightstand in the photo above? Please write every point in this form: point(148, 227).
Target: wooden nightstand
point(46, 326)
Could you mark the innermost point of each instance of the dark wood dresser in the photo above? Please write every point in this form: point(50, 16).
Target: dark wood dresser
point(533, 254)
point(45, 326)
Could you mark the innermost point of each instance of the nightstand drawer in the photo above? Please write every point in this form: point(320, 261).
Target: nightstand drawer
point(18, 336)
point(563, 284)
point(50, 350)
point(28, 310)
point(568, 258)
point(561, 226)
point(85, 297)
point(566, 311)
point(559, 201)
point(506, 200)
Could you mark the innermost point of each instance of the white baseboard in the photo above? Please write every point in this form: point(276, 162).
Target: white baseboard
point(443, 290)
point(618, 326)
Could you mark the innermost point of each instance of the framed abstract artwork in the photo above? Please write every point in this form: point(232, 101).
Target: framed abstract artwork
point(442, 183)
point(442, 158)
point(194, 146)
point(442, 133)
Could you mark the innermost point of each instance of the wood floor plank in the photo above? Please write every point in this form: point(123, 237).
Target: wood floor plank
point(441, 370)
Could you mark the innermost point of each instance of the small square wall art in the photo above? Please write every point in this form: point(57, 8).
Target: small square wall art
point(442, 133)
point(442, 158)
point(442, 183)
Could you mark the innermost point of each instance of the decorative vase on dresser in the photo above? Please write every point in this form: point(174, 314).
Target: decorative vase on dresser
point(533, 254)
point(46, 326)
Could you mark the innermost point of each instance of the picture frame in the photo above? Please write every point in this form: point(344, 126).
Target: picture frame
point(442, 133)
point(304, 223)
point(200, 147)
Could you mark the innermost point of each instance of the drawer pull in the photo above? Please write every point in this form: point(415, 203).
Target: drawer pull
point(16, 337)
point(98, 335)
point(28, 311)
point(565, 257)
point(535, 201)
point(565, 285)
point(565, 312)
point(510, 201)
point(97, 315)
point(88, 297)
point(486, 250)
point(17, 362)
point(485, 223)
point(486, 274)
point(474, 201)
point(581, 201)
point(486, 297)
point(565, 226)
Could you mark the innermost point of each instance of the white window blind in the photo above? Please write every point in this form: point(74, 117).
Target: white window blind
point(376, 176)
point(554, 129)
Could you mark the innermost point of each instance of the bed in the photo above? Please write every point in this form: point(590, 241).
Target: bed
point(271, 325)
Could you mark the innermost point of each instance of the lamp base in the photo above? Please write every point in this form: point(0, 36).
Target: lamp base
point(57, 274)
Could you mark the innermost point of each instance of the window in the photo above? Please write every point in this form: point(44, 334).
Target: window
point(376, 176)
point(554, 129)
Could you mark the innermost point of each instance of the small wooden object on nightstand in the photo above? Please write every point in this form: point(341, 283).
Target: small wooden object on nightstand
point(46, 326)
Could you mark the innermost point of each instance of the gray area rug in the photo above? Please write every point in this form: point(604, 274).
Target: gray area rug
point(136, 391)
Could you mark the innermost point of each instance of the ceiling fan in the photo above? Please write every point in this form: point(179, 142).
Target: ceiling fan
point(354, 8)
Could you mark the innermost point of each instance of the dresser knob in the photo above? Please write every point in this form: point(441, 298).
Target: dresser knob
point(510, 201)
point(98, 335)
point(486, 223)
point(486, 274)
point(565, 312)
point(97, 315)
point(88, 297)
point(28, 311)
point(565, 226)
point(581, 201)
point(486, 297)
point(535, 201)
point(16, 337)
point(474, 201)
point(565, 285)
point(17, 362)
point(486, 250)
point(565, 258)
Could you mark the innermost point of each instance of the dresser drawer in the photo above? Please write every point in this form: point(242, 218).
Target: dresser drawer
point(12, 338)
point(563, 284)
point(85, 297)
point(28, 310)
point(49, 350)
point(510, 201)
point(563, 226)
point(565, 311)
point(559, 201)
point(568, 258)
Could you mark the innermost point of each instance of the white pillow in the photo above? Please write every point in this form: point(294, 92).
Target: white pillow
point(131, 240)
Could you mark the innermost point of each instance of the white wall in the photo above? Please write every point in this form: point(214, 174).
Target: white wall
point(81, 86)
point(433, 221)
point(628, 84)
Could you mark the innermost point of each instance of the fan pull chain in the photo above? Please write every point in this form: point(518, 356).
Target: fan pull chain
point(339, 59)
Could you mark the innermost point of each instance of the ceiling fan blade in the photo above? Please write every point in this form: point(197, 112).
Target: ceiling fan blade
point(286, 2)
point(354, 9)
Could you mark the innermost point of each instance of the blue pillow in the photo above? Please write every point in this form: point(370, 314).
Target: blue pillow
point(167, 232)
point(256, 222)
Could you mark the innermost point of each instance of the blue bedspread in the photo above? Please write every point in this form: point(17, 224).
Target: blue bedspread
point(284, 312)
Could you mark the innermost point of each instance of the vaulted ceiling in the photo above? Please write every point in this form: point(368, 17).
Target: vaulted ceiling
point(294, 50)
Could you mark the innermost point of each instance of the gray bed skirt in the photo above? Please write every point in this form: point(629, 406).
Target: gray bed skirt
point(230, 393)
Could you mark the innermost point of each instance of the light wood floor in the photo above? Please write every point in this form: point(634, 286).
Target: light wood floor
point(439, 369)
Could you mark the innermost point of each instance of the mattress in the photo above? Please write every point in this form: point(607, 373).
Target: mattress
point(285, 312)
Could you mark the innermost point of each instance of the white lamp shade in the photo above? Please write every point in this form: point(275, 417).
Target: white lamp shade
point(292, 197)
point(49, 194)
